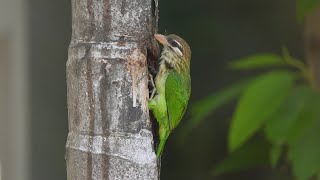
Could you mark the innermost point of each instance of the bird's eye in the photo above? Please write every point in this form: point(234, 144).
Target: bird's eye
point(174, 44)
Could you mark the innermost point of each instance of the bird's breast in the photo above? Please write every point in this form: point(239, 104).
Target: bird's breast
point(161, 78)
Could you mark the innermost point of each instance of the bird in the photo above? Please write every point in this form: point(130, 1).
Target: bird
point(172, 86)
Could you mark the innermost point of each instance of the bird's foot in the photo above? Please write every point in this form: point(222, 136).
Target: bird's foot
point(153, 86)
point(152, 94)
point(152, 70)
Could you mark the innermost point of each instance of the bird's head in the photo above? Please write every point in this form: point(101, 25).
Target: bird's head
point(175, 49)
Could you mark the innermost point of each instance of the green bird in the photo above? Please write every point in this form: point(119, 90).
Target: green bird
point(172, 86)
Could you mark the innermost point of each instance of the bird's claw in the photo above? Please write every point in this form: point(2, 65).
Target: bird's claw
point(153, 86)
point(152, 70)
point(153, 93)
point(151, 80)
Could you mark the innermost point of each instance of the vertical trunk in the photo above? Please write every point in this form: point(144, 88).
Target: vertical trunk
point(312, 44)
point(110, 133)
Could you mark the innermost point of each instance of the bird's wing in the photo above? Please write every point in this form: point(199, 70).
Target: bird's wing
point(177, 95)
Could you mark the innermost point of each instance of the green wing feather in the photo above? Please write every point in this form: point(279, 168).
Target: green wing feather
point(177, 96)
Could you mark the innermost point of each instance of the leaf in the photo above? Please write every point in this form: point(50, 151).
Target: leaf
point(304, 7)
point(201, 109)
point(262, 60)
point(254, 153)
point(277, 128)
point(303, 138)
point(258, 103)
point(305, 153)
point(306, 118)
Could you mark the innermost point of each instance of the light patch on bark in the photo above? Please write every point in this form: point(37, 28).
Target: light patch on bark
point(117, 144)
point(135, 62)
point(108, 66)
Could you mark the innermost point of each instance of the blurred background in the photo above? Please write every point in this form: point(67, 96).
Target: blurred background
point(34, 38)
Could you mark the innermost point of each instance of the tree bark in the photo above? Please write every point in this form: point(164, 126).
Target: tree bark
point(110, 132)
point(312, 44)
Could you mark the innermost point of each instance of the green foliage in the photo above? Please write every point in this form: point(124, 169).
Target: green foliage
point(304, 7)
point(278, 126)
point(306, 117)
point(200, 110)
point(281, 104)
point(257, 61)
point(305, 153)
point(258, 103)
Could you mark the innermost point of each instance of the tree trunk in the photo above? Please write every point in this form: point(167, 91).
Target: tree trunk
point(312, 44)
point(110, 132)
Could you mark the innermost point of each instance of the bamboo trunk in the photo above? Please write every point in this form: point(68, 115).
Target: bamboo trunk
point(110, 133)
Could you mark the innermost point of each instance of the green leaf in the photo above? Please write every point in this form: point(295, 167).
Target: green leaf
point(262, 60)
point(303, 138)
point(275, 154)
point(259, 102)
point(201, 109)
point(306, 118)
point(304, 7)
point(278, 126)
point(254, 153)
point(305, 153)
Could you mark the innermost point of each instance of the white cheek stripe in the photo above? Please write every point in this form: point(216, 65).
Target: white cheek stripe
point(178, 43)
point(177, 50)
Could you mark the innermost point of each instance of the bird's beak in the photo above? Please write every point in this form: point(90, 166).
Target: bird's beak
point(161, 38)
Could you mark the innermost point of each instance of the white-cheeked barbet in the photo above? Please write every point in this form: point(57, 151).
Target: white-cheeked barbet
point(172, 86)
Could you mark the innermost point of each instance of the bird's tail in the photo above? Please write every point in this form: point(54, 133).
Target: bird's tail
point(163, 134)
